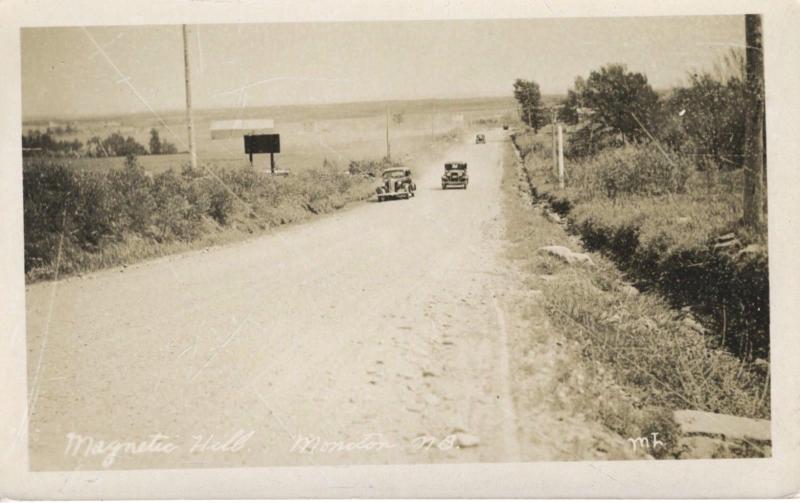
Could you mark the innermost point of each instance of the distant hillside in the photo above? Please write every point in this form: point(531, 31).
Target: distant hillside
point(301, 112)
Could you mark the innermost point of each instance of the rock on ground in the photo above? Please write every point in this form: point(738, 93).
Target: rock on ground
point(567, 255)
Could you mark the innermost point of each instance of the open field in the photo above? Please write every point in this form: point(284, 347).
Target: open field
point(309, 134)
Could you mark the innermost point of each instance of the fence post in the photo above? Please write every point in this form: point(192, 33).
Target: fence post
point(560, 158)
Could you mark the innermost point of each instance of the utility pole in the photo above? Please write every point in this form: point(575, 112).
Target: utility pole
point(553, 117)
point(187, 75)
point(754, 197)
point(388, 147)
point(560, 158)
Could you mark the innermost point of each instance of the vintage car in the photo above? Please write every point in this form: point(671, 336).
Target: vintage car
point(396, 183)
point(455, 175)
point(480, 138)
point(505, 127)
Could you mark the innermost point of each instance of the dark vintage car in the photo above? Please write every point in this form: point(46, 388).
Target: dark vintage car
point(397, 183)
point(505, 127)
point(480, 138)
point(455, 175)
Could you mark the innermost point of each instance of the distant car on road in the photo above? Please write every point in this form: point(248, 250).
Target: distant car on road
point(455, 175)
point(480, 138)
point(397, 183)
point(505, 127)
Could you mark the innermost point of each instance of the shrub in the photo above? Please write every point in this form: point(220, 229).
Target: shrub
point(632, 170)
point(174, 216)
point(130, 190)
point(93, 217)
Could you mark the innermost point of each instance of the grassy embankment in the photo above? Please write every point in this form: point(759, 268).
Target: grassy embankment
point(671, 228)
point(644, 361)
point(81, 219)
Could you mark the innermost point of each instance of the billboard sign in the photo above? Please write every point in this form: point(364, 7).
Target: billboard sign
point(262, 144)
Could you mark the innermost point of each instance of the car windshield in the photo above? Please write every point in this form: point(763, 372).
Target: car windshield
point(449, 167)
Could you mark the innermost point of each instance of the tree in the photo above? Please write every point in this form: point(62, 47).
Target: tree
point(36, 143)
point(569, 106)
point(118, 145)
point(621, 101)
point(155, 142)
point(168, 148)
point(711, 121)
point(527, 94)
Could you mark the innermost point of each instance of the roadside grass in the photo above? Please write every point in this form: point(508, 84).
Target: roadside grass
point(662, 223)
point(656, 363)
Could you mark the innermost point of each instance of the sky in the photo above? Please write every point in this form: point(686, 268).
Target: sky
point(76, 71)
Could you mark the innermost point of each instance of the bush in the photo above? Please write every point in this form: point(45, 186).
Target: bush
point(92, 215)
point(130, 191)
point(369, 167)
point(642, 170)
point(633, 170)
point(174, 216)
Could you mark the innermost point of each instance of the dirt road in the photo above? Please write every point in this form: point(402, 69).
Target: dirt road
point(375, 335)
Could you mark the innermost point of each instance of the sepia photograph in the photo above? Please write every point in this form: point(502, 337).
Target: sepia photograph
point(356, 243)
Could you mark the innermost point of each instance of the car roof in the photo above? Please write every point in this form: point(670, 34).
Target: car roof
point(391, 170)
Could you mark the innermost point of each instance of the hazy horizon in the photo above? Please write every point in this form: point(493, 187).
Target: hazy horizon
point(121, 70)
point(202, 110)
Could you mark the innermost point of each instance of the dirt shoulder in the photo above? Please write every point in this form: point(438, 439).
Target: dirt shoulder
point(556, 390)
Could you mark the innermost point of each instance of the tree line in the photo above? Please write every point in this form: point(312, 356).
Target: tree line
point(715, 121)
point(36, 143)
point(614, 106)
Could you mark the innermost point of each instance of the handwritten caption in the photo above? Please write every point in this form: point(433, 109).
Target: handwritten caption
point(110, 451)
point(157, 443)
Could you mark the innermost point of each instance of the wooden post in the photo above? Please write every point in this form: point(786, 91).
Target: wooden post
point(555, 147)
point(560, 158)
point(754, 197)
point(272, 163)
point(187, 71)
point(251, 160)
point(388, 147)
